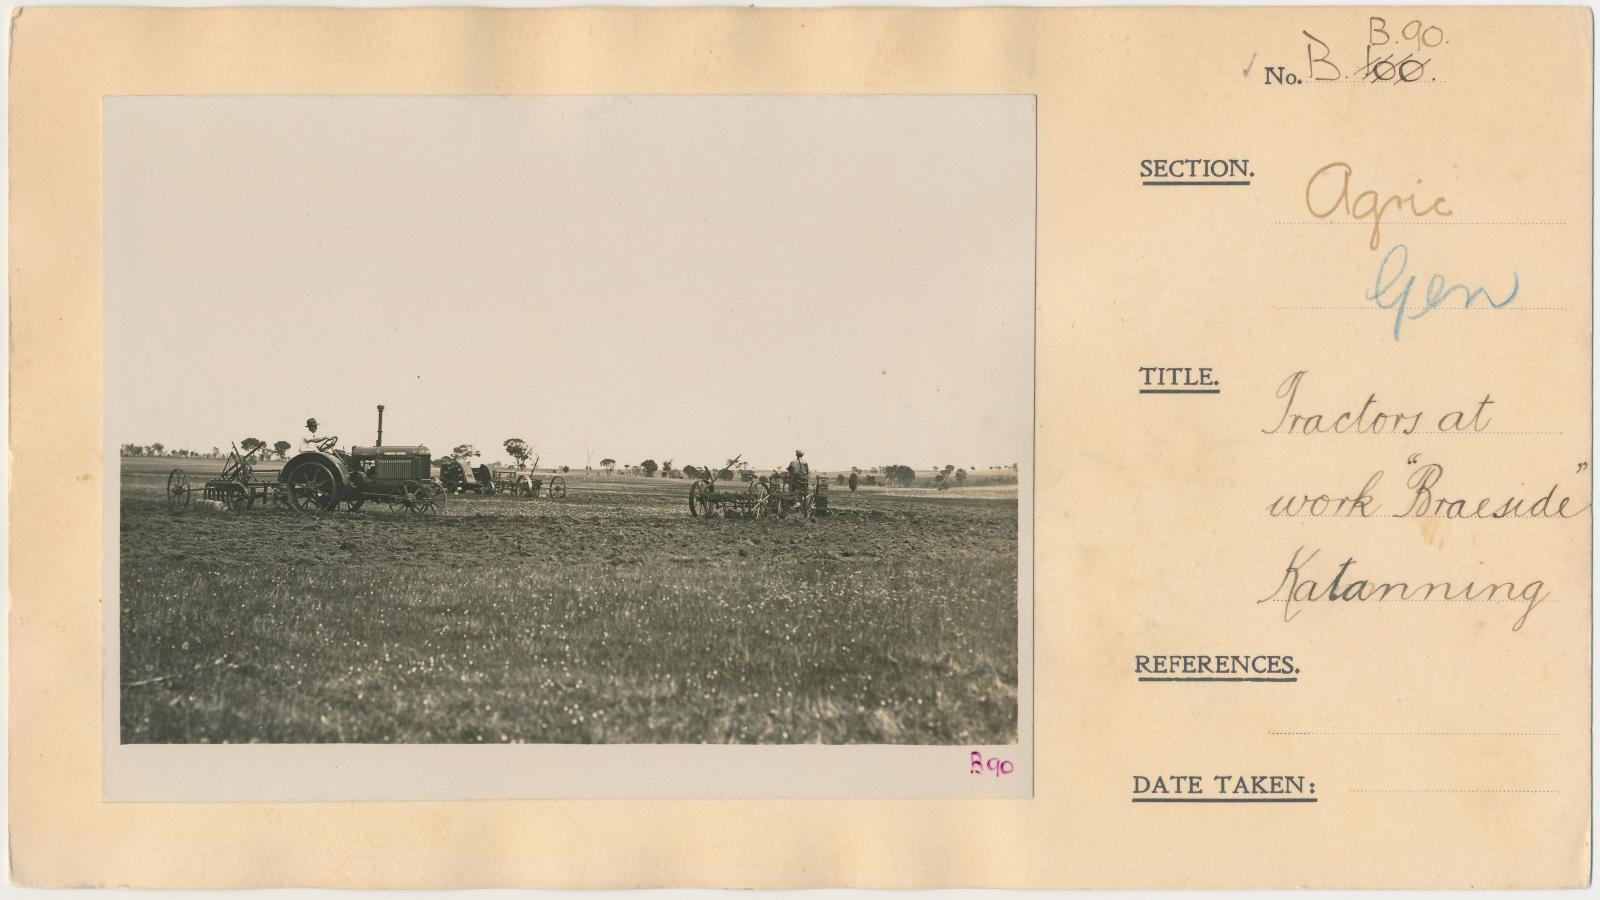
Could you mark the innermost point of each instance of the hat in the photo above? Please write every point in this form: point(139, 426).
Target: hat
point(799, 453)
point(311, 424)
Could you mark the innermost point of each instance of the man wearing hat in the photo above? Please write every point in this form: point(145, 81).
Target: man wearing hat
point(799, 472)
point(309, 442)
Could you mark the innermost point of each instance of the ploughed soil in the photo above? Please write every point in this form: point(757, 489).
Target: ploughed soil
point(611, 615)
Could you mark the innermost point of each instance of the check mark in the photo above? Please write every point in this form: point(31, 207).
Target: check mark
point(1251, 65)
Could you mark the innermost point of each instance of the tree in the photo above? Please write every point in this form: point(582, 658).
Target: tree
point(156, 448)
point(283, 449)
point(667, 471)
point(518, 449)
point(465, 451)
point(961, 476)
point(649, 466)
point(905, 476)
point(251, 443)
point(608, 465)
point(216, 452)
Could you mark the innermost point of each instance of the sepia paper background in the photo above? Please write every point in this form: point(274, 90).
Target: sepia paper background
point(1149, 527)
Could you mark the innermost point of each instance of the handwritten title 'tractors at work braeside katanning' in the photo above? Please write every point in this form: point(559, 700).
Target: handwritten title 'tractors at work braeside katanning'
point(1425, 491)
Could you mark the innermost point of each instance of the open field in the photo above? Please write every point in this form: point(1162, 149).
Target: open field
point(610, 616)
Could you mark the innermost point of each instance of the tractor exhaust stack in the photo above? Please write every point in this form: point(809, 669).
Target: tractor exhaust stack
point(380, 425)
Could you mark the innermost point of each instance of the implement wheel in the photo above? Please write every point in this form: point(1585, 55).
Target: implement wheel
point(177, 490)
point(700, 499)
point(760, 500)
point(235, 496)
point(558, 487)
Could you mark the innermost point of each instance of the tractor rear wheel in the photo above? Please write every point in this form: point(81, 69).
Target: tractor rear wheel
point(452, 473)
point(312, 487)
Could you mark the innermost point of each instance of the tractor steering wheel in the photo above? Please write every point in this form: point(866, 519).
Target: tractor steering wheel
point(327, 443)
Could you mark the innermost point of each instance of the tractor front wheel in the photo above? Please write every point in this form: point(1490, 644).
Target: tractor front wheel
point(424, 498)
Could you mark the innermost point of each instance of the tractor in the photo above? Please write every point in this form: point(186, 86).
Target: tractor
point(328, 478)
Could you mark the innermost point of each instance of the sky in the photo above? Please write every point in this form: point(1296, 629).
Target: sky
point(683, 278)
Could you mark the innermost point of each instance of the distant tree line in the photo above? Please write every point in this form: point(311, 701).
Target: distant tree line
point(520, 451)
point(158, 449)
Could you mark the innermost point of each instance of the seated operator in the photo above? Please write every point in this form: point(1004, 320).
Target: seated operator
point(799, 472)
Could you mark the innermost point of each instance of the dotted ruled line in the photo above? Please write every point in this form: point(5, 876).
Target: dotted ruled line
point(1409, 222)
point(1455, 600)
point(1439, 308)
point(1416, 433)
point(1428, 733)
point(1454, 791)
point(1375, 82)
point(1446, 516)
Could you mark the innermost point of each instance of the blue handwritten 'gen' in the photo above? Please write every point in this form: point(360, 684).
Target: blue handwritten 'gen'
point(1437, 293)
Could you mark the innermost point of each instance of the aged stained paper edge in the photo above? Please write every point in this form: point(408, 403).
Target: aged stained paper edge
point(61, 834)
point(92, 33)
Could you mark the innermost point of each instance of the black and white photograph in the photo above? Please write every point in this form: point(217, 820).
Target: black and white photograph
point(573, 420)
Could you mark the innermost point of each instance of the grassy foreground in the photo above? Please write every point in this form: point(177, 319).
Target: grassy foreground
point(529, 621)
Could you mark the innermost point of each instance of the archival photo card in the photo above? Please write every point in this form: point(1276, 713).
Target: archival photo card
point(521, 447)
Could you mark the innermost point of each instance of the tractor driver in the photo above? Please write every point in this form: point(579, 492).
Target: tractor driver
point(799, 472)
point(310, 441)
